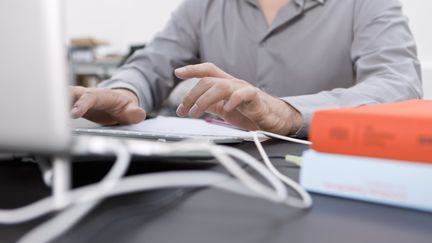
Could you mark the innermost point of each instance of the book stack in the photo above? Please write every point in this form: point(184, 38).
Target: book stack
point(378, 153)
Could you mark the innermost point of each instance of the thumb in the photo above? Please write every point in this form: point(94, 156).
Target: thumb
point(131, 114)
point(201, 71)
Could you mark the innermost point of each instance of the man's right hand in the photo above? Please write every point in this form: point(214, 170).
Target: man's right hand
point(106, 106)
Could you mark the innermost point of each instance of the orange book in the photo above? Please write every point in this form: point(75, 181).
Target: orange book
point(400, 131)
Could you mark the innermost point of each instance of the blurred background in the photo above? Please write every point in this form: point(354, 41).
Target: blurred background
point(103, 32)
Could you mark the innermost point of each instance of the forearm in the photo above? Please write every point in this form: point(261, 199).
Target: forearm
point(374, 91)
point(149, 72)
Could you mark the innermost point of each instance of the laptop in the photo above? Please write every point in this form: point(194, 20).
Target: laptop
point(33, 72)
point(174, 129)
point(34, 97)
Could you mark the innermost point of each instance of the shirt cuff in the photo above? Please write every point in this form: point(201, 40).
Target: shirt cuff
point(307, 105)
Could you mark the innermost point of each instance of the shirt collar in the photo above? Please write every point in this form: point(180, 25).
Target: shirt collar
point(301, 3)
point(298, 2)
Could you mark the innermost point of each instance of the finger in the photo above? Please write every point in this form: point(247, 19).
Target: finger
point(75, 93)
point(86, 101)
point(201, 71)
point(217, 109)
point(131, 114)
point(211, 97)
point(128, 115)
point(190, 98)
point(98, 99)
point(234, 117)
point(253, 104)
point(241, 96)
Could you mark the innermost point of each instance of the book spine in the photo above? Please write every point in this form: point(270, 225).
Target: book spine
point(372, 136)
point(381, 181)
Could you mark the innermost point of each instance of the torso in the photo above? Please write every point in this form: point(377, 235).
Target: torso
point(301, 53)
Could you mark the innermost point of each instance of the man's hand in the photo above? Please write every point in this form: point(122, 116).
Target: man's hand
point(106, 106)
point(236, 101)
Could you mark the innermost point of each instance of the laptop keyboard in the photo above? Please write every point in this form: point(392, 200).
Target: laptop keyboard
point(154, 135)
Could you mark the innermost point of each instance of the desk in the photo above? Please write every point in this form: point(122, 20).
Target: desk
point(210, 215)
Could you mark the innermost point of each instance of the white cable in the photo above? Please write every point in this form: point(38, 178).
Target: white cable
point(28, 212)
point(130, 185)
point(280, 190)
point(64, 221)
point(306, 201)
point(288, 139)
point(53, 228)
point(114, 175)
point(84, 199)
point(232, 167)
point(221, 153)
point(25, 213)
point(36, 209)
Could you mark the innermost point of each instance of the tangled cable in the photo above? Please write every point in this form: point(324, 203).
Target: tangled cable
point(83, 200)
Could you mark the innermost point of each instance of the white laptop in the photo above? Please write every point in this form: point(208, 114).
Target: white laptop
point(33, 95)
point(174, 129)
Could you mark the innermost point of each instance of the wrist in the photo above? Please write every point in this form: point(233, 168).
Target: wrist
point(292, 119)
point(297, 120)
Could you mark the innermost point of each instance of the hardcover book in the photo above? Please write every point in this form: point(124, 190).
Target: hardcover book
point(400, 131)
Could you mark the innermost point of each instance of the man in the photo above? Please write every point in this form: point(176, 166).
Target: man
point(265, 64)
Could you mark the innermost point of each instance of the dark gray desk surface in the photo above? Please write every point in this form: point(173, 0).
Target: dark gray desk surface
point(210, 215)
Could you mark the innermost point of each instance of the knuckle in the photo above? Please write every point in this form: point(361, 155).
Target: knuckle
point(205, 82)
point(89, 92)
point(253, 91)
point(202, 104)
point(209, 65)
point(77, 90)
point(210, 68)
point(241, 82)
point(247, 94)
point(225, 86)
point(187, 99)
point(237, 95)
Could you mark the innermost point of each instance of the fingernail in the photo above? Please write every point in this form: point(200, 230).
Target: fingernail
point(180, 70)
point(194, 112)
point(74, 111)
point(181, 110)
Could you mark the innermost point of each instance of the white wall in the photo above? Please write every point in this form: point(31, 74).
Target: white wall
point(419, 12)
point(124, 22)
point(121, 22)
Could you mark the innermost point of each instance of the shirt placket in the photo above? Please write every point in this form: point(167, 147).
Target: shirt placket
point(264, 37)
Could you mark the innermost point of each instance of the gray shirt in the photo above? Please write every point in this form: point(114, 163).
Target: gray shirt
point(317, 53)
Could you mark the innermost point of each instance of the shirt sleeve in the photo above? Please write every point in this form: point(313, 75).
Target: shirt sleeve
point(385, 61)
point(149, 73)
